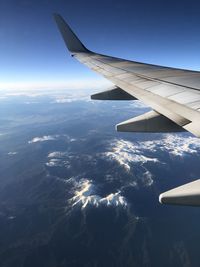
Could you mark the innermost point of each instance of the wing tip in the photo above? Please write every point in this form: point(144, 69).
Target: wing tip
point(71, 40)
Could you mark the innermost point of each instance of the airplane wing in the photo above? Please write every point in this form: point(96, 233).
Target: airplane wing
point(173, 94)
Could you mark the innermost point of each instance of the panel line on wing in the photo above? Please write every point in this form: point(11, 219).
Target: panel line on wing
point(155, 79)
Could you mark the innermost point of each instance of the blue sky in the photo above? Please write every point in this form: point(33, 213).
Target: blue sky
point(33, 54)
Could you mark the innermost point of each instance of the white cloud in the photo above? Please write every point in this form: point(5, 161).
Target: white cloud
point(11, 217)
point(56, 159)
point(43, 138)
point(175, 145)
point(58, 163)
point(53, 163)
point(85, 195)
point(114, 199)
point(56, 154)
point(131, 154)
point(63, 99)
point(137, 104)
point(147, 178)
point(125, 153)
point(31, 102)
point(12, 153)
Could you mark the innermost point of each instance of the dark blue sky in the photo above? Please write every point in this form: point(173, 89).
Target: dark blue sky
point(32, 53)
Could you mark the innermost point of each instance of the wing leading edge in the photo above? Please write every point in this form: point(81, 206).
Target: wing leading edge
point(173, 94)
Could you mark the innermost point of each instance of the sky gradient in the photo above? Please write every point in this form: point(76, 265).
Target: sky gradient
point(33, 54)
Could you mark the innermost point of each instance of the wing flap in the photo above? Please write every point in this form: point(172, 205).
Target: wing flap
point(149, 122)
point(187, 194)
point(114, 93)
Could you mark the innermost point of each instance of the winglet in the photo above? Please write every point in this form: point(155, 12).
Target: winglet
point(71, 40)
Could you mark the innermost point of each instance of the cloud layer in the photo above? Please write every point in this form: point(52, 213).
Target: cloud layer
point(135, 158)
point(43, 138)
point(58, 159)
point(126, 152)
